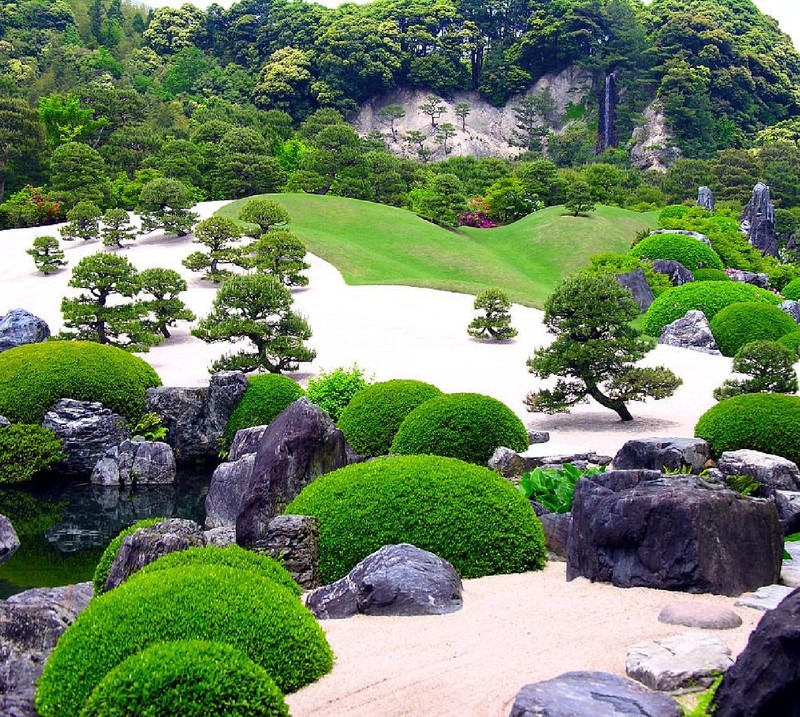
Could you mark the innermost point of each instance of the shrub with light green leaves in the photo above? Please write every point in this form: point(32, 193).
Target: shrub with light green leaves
point(690, 252)
point(792, 290)
point(267, 395)
point(711, 275)
point(743, 322)
point(333, 390)
point(26, 450)
point(791, 341)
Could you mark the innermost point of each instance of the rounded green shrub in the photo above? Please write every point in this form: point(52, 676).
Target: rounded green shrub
point(711, 275)
point(611, 263)
point(374, 415)
point(791, 341)
point(33, 378)
point(710, 297)
point(110, 553)
point(467, 426)
point(230, 556)
point(26, 450)
point(766, 422)
point(792, 290)
point(254, 614)
point(186, 678)
point(266, 396)
point(743, 322)
point(461, 512)
point(333, 390)
point(693, 254)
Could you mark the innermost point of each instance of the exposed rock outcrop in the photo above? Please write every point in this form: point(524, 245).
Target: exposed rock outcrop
point(9, 541)
point(678, 274)
point(705, 198)
point(134, 463)
point(758, 221)
point(635, 282)
point(652, 146)
point(658, 454)
point(20, 327)
point(690, 332)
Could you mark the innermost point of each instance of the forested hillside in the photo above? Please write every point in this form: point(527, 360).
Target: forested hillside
point(99, 96)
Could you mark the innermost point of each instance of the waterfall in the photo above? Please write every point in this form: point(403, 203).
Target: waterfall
point(606, 136)
point(607, 110)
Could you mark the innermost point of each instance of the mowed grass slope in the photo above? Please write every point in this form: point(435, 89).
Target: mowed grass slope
point(375, 244)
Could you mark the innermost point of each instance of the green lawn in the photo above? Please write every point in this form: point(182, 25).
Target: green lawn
point(375, 244)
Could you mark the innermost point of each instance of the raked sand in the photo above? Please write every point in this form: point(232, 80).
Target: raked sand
point(513, 629)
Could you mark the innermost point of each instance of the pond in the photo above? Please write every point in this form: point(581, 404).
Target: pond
point(64, 528)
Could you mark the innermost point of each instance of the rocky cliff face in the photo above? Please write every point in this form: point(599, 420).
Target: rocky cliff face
point(651, 144)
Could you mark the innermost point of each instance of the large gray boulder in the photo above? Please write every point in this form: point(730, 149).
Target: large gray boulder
point(636, 282)
point(641, 528)
point(760, 280)
point(396, 580)
point(660, 454)
point(148, 544)
point(765, 679)
point(556, 528)
point(293, 539)
point(792, 308)
point(246, 441)
point(30, 624)
point(196, 417)
point(684, 232)
point(20, 327)
point(691, 332)
point(9, 542)
point(705, 198)
point(230, 483)
point(758, 221)
point(772, 472)
point(678, 274)
point(299, 445)
point(135, 463)
point(87, 430)
point(592, 694)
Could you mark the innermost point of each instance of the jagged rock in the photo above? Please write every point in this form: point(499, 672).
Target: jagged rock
point(678, 274)
point(292, 539)
point(592, 694)
point(652, 146)
point(9, 542)
point(228, 490)
point(749, 277)
point(792, 308)
point(764, 680)
point(135, 463)
point(30, 624)
point(644, 529)
point(512, 465)
point(635, 282)
point(556, 527)
point(20, 327)
point(758, 221)
point(196, 417)
point(4, 422)
point(766, 598)
point(246, 441)
point(148, 544)
point(507, 463)
point(87, 430)
point(705, 198)
point(772, 472)
point(659, 454)
point(692, 660)
point(396, 580)
point(220, 537)
point(691, 332)
point(684, 232)
point(705, 616)
point(299, 445)
point(536, 437)
point(788, 504)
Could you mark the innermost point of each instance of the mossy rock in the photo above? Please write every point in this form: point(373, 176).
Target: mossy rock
point(741, 323)
point(266, 396)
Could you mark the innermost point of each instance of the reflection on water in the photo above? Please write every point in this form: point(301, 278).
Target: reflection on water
point(64, 528)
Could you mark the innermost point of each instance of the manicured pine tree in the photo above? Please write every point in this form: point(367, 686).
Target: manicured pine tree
point(495, 322)
point(47, 254)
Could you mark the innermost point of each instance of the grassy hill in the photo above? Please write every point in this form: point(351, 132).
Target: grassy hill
point(375, 244)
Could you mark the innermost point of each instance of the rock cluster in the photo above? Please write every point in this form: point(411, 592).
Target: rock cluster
point(133, 463)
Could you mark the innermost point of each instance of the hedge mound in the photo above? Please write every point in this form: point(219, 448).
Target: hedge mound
point(463, 513)
point(766, 422)
point(693, 254)
point(264, 620)
point(373, 417)
point(229, 556)
point(710, 297)
point(110, 553)
point(26, 450)
point(791, 341)
point(189, 678)
point(266, 396)
point(467, 426)
point(33, 377)
point(711, 275)
point(744, 322)
point(792, 290)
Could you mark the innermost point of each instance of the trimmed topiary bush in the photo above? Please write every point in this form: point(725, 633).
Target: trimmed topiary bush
point(110, 553)
point(710, 297)
point(261, 618)
point(463, 513)
point(792, 290)
point(33, 378)
point(711, 275)
point(766, 422)
point(266, 396)
point(740, 323)
point(693, 254)
point(186, 678)
point(230, 556)
point(26, 450)
point(333, 390)
point(374, 415)
point(791, 341)
point(467, 426)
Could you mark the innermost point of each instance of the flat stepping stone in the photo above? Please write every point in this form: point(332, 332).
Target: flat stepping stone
point(703, 615)
point(766, 598)
point(790, 576)
point(689, 661)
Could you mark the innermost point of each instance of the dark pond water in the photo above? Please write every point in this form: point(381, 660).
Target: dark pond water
point(64, 528)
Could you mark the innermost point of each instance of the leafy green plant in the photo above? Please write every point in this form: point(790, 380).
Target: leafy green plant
point(746, 485)
point(26, 450)
point(333, 390)
point(703, 707)
point(740, 323)
point(464, 513)
point(553, 487)
point(150, 428)
point(191, 678)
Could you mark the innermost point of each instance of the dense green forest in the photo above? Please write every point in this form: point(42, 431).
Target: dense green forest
point(97, 97)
